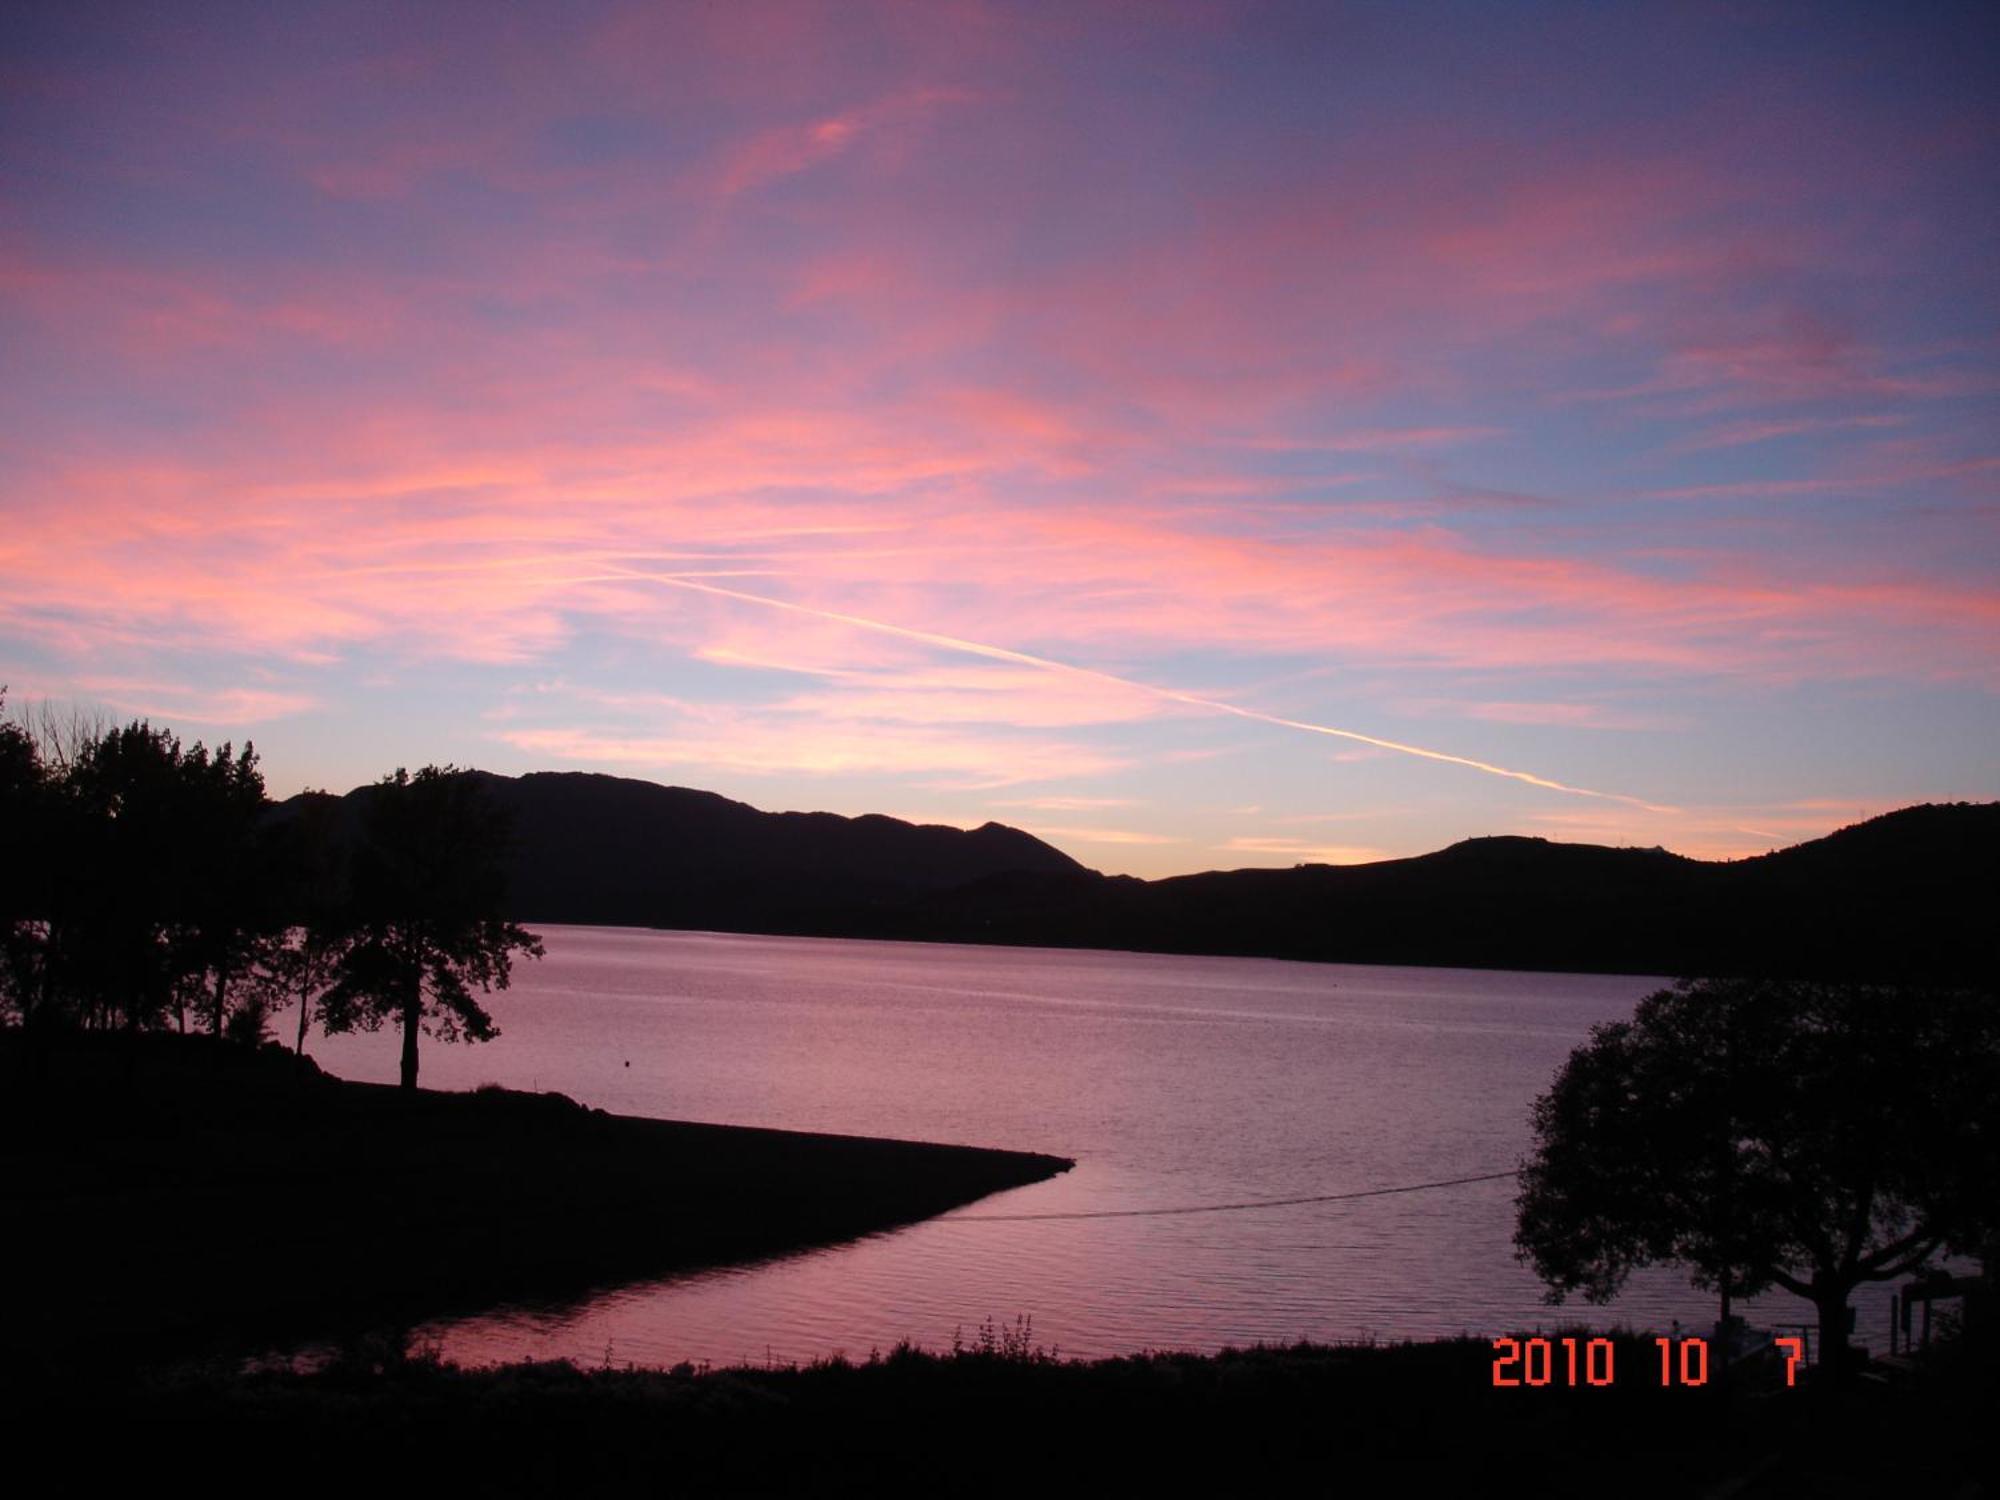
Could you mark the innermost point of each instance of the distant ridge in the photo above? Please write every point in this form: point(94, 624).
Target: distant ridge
point(613, 850)
point(622, 852)
point(1908, 895)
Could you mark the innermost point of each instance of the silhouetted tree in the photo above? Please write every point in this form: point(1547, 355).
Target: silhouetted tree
point(136, 884)
point(132, 833)
point(308, 853)
point(22, 791)
point(1759, 1133)
point(54, 849)
point(227, 912)
point(429, 883)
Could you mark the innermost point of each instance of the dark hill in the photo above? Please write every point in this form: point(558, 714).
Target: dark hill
point(612, 850)
point(1907, 895)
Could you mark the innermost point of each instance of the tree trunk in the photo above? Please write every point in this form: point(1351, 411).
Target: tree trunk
point(1833, 1353)
point(305, 1017)
point(1725, 1341)
point(412, 1016)
point(46, 1006)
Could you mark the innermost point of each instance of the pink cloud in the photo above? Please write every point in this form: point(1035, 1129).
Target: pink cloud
point(180, 703)
point(850, 306)
point(490, 562)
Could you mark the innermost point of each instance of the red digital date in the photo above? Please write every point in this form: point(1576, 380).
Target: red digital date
point(1682, 1361)
point(1537, 1360)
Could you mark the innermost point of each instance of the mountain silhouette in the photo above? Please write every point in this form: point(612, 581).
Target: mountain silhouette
point(615, 851)
point(1908, 895)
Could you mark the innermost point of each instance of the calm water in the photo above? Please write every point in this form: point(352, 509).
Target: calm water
point(1173, 1081)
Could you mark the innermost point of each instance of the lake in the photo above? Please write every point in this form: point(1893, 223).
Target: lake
point(1175, 1082)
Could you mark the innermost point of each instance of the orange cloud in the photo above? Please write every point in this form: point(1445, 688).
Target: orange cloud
point(1303, 851)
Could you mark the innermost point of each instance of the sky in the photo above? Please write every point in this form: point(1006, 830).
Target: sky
point(1202, 435)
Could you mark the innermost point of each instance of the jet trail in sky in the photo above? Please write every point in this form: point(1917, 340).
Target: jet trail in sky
point(1002, 653)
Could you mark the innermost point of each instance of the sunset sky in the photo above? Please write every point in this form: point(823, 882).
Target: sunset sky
point(1053, 413)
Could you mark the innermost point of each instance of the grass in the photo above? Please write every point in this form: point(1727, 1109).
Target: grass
point(998, 1415)
point(1006, 1341)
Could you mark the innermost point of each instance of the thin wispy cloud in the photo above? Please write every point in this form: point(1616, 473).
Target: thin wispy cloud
point(1064, 804)
point(1001, 653)
point(176, 702)
point(1305, 851)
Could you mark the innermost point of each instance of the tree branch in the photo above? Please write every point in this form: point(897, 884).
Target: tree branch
point(1890, 1273)
point(1789, 1282)
point(1857, 1230)
point(1896, 1247)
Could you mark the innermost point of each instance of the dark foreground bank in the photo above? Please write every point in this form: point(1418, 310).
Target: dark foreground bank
point(1001, 1419)
point(173, 1197)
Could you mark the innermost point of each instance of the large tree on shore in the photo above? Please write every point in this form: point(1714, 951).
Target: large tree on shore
point(1763, 1133)
point(426, 925)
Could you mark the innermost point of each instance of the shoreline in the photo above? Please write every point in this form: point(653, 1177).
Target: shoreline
point(1026, 946)
point(192, 1199)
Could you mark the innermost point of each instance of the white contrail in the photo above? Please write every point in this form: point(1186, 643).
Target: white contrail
point(1001, 653)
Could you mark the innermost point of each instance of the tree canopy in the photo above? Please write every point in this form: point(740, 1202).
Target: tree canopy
point(148, 884)
point(429, 882)
point(1763, 1133)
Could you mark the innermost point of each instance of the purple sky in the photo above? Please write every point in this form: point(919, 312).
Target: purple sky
point(1204, 435)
